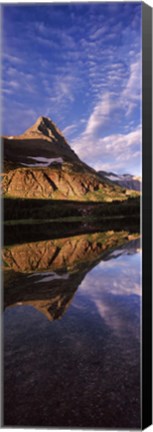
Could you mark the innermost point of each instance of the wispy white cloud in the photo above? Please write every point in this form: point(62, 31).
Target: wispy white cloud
point(18, 81)
point(121, 151)
point(7, 91)
point(51, 36)
point(94, 150)
point(99, 116)
point(103, 150)
point(14, 84)
point(47, 42)
point(62, 89)
point(131, 95)
point(69, 129)
point(12, 58)
point(99, 32)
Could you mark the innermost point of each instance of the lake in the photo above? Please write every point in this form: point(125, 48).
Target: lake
point(72, 331)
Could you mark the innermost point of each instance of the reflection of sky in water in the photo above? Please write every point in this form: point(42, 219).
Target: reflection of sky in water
point(82, 370)
point(120, 276)
point(113, 286)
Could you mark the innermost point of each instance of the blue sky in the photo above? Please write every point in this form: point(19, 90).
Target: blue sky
point(80, 65)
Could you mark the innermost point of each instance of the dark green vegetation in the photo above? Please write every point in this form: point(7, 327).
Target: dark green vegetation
point(26, 220)
point(17, 209)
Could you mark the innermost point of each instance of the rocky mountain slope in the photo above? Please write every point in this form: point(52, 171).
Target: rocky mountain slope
point(40, 164)
point(127, 181)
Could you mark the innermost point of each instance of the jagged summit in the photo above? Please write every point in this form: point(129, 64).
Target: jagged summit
point(45, 129)
point(45, 126)
point(41, 144)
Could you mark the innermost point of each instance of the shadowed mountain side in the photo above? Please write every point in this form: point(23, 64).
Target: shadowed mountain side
point(49, 293)
point(23, 150)
point(46, 275)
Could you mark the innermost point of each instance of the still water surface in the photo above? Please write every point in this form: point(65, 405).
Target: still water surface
point(71, 332)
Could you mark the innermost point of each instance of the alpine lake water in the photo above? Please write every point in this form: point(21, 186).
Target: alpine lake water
point(72, 331)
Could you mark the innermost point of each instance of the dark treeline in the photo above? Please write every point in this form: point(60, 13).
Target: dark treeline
point(17, 209)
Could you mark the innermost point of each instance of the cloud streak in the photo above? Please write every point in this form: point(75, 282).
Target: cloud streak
point(94, 146)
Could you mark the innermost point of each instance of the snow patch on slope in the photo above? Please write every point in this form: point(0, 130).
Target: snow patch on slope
point(42, 161)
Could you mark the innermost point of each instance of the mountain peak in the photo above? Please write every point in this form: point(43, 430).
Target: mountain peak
point(44, 142)
point(45, 122)
point(45, 126)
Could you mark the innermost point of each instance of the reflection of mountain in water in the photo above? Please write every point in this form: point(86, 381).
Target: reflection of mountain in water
point(46, 274)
